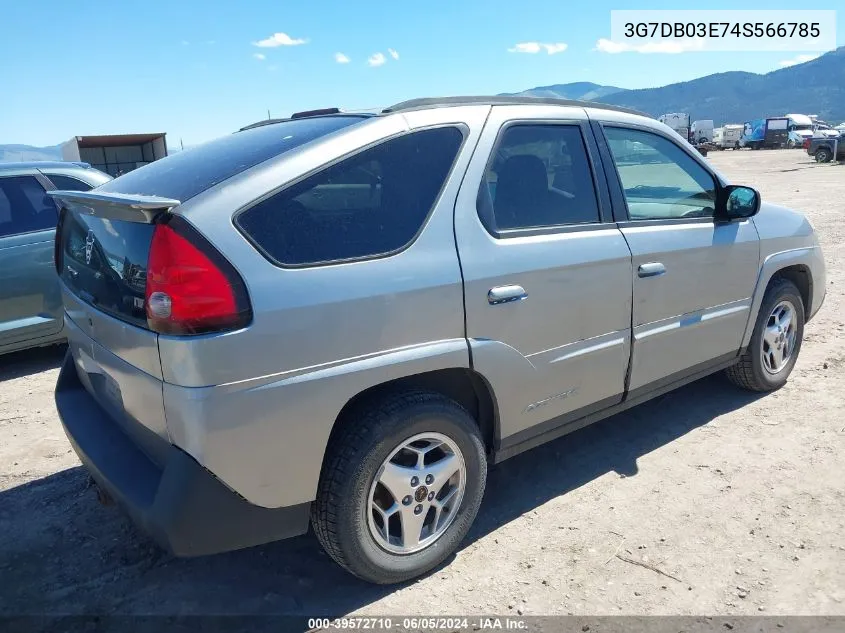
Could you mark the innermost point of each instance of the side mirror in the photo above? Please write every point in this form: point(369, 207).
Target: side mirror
point(737, 202)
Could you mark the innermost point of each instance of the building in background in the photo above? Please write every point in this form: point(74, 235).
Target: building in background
point(116, 154)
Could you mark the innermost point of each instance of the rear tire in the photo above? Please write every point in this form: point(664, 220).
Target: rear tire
point(823, 156)
point(378, 445)
point(773, 350)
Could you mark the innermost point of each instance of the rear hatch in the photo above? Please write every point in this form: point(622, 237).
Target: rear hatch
point(131, 271)
point(102, 262)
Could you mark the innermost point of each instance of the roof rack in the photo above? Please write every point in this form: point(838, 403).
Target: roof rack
point(435, 102)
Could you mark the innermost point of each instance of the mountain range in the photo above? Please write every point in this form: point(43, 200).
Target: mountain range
point(25, 153)
point(814, 87)
point(580, 90)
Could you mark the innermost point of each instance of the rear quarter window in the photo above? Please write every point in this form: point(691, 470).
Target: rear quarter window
point(67, 183)
point(370, 204)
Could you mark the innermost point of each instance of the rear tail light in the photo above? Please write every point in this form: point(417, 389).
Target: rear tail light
point(191, 288)
point(806, 143)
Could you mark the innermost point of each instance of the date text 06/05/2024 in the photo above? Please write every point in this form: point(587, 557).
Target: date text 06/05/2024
point(419, 623)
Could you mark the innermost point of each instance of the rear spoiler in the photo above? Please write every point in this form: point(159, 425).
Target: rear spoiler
point(115, 206)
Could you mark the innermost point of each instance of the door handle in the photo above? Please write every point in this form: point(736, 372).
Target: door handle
point(506, 294)
point(652, 269)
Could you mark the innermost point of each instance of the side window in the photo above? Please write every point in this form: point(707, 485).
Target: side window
point(25, 206)
point(66, 183)
point(539, 175)
point(661, 181)
point(370, 204)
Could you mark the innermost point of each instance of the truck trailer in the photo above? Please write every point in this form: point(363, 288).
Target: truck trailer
point(770, 132)
point(116, 154)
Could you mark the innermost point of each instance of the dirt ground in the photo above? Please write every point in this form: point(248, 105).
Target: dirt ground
point(738, 498)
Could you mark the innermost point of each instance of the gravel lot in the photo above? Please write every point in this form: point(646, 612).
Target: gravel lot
point(737, 498)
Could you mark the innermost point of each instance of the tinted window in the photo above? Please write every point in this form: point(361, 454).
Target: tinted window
point(66, 183)
point(25, 206)
point(184, 175)
point(104, 262)
point(539, 176)
point(370, 204)
point(659, 178)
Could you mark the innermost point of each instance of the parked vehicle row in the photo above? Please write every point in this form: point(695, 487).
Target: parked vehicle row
point(788, 131)
point(342, 319)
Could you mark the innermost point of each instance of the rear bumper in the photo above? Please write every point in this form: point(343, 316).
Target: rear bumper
point(183, 506)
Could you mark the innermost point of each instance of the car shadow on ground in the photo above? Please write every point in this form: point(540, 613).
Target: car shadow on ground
point(31, 361)
point(62, 552)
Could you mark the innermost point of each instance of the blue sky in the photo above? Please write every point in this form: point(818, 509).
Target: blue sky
point(189, 67)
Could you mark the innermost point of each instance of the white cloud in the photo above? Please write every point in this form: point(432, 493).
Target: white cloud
point(185, 42)
point(377, 59)
point(671, 47)
point(532, 48)
point(340, 58)
point(260, 56)
point(798, 59)
point(551, 49)
point(393, 53)
point(279, 39)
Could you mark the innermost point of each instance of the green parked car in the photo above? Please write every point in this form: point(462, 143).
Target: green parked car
point(30, 300)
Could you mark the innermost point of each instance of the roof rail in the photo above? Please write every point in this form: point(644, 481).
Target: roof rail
point(435, 102)
point(261, 123)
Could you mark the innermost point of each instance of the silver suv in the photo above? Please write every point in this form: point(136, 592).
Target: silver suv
point(344, 318)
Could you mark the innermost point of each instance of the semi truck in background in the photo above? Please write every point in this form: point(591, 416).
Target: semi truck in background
point(702, 131)
point(678, 121)
point(800, 127)
point(770, 132)
point(727, 136)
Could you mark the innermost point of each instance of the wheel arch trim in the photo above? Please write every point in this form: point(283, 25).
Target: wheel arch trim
point(803, 259)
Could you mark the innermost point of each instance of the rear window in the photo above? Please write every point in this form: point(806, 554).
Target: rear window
point(370, 204)
point(182, 176)
point(104, 263)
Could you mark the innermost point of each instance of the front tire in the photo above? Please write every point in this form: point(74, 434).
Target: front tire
point(775, 342)
point(401, 485)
